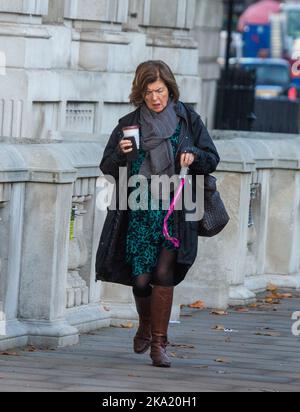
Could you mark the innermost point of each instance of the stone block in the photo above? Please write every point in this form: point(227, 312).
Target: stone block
point(100, 10)
point(209, 14)
point(36, 7)
point(168, 13)
point(282, 255)
point(183, 61)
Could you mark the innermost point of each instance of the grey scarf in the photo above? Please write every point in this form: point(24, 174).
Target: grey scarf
point(157, 128)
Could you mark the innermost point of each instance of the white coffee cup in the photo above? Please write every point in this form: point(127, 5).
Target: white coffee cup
point(132, 131)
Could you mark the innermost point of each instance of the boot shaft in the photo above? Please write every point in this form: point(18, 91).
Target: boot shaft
point(161, 307)
point(143, 307)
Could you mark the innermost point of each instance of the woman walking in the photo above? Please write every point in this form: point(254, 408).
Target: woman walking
point(133, 250)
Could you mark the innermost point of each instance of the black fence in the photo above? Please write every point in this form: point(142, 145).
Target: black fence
point(235, 100)
point(278, 115)
point(237, 108)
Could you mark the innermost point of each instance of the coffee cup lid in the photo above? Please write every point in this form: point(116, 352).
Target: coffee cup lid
point(131, 127)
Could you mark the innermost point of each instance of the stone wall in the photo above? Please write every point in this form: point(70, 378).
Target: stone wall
point(50, 227)
point(73, 61)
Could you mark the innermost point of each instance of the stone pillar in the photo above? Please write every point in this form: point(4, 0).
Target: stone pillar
point(278, 223)
point(2, 320)
point(14, 226)
point(13, 172)
point(77, 290)
point(282, 248)
point(47, 206)
point(3, 200)
point(207, 25)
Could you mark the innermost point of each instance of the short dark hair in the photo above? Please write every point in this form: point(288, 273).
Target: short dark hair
point(149, 72)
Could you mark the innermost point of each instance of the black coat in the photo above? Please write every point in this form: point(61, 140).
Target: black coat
point(111, 265)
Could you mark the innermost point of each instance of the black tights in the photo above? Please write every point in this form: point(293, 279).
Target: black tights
point(163, 275)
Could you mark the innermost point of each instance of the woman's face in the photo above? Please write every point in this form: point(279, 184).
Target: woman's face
point(157, 96)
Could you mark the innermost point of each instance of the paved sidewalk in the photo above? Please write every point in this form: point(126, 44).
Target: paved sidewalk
point(258, 352)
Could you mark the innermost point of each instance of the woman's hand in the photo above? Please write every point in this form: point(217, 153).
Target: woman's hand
point(187, 159)
point(125, 146)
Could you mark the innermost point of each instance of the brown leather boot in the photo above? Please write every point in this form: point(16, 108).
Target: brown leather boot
point(142, 339)
point(161, 306)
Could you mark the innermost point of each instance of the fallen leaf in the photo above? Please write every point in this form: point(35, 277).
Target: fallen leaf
point(173, 355)
point(197, 305)
point(271, 287)
point(128, 325)
point(272, 334)
point(265, 306)
point(106, 308)
point(182, 346)
point(242, 310)
point(219, 312)
point(9, 354)
point(276, 295)
point(219, 328)
point(285, 296)
point(253, 305)
point(30, 349)
point(274, 300)
point(182, 357)
point(221, 360)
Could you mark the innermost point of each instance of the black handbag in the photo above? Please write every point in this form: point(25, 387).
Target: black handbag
point(215, 215)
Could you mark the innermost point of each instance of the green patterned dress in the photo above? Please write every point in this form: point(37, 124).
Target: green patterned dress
point(145, 231)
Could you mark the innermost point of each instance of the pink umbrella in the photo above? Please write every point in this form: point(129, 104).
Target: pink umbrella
point(259, 13)
point(182, 177)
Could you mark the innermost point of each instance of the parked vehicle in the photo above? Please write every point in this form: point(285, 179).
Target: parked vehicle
point(272, 75)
